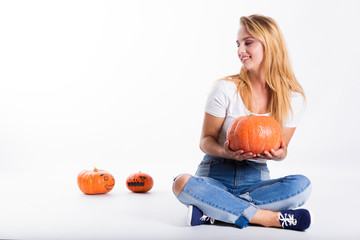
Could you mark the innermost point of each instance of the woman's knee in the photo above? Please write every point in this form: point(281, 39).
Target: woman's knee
point(179, 183)
point(301, 181)
point(302, 185)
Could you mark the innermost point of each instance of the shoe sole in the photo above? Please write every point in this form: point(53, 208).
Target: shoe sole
point(189, 216)
point(312, 216)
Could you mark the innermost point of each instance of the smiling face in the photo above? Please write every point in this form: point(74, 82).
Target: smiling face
point(250, 50)
point(109, 180)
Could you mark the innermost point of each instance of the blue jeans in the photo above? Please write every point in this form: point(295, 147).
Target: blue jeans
point(233, 191)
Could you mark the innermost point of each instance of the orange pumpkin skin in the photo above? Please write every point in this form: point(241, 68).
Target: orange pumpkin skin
point(139, 182)
point(254, 134)
point(95, 182)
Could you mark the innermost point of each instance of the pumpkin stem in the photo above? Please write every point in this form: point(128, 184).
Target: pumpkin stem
point(95, 169)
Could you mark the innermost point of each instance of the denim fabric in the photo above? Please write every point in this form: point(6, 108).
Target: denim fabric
point(232, 191)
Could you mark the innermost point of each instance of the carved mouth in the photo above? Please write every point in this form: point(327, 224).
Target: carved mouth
point(109, 187)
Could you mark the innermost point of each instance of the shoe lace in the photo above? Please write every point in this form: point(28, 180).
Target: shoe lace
point(205, 218)
point(288, 219)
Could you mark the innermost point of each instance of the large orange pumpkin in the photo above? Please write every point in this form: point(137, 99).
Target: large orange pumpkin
point(95, 182)
point(254, 134)
point(139, 182)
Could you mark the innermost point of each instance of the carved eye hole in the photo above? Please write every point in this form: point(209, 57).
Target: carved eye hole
point(105, 176)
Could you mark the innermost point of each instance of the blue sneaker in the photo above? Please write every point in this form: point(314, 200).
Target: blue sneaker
point(196, 217)
point(298, 219)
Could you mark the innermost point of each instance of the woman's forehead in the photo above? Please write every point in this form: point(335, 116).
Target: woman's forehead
point(243, 34)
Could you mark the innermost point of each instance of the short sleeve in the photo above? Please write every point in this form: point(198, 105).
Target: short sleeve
point(298, 108)
point(217, 101)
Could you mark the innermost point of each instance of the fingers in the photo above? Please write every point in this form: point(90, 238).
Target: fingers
point(283, 145)
point(228, 149)
point(273, 152)
point(227, 146)
point(245, 155)
point(269, 154)
point(240, 154)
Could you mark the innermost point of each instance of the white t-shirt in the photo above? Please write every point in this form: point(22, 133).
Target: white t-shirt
point(225, 101)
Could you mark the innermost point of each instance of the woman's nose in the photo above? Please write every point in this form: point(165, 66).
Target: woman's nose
point(241, 49)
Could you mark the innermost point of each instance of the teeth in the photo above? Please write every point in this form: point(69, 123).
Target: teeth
point(245, 58)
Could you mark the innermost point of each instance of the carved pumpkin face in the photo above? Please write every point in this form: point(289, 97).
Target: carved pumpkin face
point(95, 182)
point(254, 134)
point(139, 182)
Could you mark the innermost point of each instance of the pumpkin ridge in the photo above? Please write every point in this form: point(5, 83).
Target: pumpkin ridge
point(236, 139)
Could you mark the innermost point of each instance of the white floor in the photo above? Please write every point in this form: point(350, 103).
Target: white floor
point(50, 206)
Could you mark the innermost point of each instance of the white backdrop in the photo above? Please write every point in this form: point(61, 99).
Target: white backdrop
point(121, 85)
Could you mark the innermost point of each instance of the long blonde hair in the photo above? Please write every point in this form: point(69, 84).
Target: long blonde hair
point(276, 65)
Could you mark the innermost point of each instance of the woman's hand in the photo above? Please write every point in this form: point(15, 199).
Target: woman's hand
point(236, 155)
point(277, 155)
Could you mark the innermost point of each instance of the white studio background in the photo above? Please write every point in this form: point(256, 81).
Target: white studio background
point(121, 85)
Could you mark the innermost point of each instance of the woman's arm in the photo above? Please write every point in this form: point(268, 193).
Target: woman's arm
point(208, 142)
point(209, 135)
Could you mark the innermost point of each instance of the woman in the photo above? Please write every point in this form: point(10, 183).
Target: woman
point(234, 186)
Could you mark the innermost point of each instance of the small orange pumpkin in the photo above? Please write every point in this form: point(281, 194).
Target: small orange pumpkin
point(139, 182)
point(254, 134)
point(95, 182)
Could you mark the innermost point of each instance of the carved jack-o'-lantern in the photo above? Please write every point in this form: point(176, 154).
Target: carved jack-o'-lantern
point(95, 182)
point(139, 182)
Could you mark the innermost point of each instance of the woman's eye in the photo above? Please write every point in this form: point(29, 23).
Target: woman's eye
point(246, 44)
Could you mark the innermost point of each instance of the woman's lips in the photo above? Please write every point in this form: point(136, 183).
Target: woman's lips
point(245, 59)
